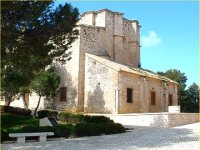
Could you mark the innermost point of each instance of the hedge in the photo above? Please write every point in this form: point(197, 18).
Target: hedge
point(113, 128)
point(4, 135)
point(79, 118)
point(97, 119)
point(64, 130)
point(71, 118)
point(16, 110)
point(47, 113)
point(92, 129)
point(78, 125)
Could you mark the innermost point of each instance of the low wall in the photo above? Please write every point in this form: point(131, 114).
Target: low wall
point(163, 120)
point(178, 119)
point(147, 119)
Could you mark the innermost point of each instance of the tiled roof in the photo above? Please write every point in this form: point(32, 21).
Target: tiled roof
point(120, 67)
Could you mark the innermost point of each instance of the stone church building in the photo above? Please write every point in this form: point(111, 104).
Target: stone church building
point(104, 74)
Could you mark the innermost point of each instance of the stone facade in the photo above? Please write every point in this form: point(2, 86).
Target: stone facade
point(112, 80)
point(105, 70)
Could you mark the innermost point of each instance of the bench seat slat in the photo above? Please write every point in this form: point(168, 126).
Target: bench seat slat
point(31, 134)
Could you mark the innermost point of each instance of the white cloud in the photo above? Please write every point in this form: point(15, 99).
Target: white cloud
point(151, 39)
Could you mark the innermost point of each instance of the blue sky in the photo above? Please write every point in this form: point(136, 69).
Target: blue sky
point(169, 33)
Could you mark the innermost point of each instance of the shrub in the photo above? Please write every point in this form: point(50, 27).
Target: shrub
point(47, 113)
point(27, 112)
point(53, 114)
point(71, 118)
point(88, 129)
point(43, 113)
point(16, 110)
point(92, 129)
point(97, 119)
point(65, 117)
point(113, 128)
point(62, 131)
point(79, 118)
point(4, 135)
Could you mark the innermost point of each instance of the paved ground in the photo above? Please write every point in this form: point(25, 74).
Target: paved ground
point(178, 138)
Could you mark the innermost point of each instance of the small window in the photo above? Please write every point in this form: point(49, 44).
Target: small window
point(153, 98)
point(129, 95)
point(63, 94)
point(170, 100)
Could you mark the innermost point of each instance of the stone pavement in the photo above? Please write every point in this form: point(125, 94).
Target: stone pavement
point(178, 138)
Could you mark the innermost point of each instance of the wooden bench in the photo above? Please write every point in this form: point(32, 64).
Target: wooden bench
point(21, 136)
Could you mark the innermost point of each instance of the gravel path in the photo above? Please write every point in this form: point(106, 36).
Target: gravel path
point(178, 138)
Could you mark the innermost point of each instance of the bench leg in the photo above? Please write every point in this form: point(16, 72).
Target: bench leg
point(21, 140)
point(42, 138)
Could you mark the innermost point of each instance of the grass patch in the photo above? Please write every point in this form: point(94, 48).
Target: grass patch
point(12, 121)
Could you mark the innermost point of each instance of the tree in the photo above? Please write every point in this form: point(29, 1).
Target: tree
point(190, 103)
point(161, 73)
point(12, 79)
point(52, 85)
point(188, 98)
point(179, 77)
point(34, 34)
point(45, 84)
point(193, 91)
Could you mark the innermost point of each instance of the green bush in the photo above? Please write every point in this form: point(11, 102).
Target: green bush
point(79, 118)
point(47, 113)
point(63, 131)
point(88, 129)
point(71, 118)
point(4, 135)
point(53, 114)
point(16, 110)
point(92, 129)
point(43, 113)
point(113, 128)
point(65, 116)
point(97, 119)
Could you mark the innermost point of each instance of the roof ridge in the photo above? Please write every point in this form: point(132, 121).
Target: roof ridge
point(127, 68)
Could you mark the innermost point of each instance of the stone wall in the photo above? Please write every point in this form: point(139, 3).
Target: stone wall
point(131, 42)
point(87, 19)
point(142, 88)
point(127, 80)
point(100, 86)
point(92, 40)
point(120, 37)
point(177, 119)
point(163, 120)
point(69, 74)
